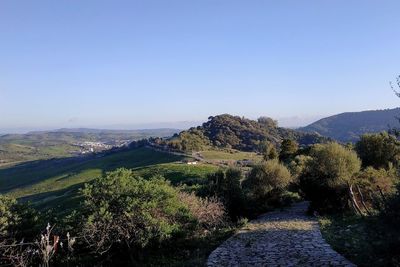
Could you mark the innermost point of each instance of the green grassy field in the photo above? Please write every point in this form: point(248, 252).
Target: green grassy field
point(16, 148)
point(14, 153)
point(230, 155)
point(55, 183)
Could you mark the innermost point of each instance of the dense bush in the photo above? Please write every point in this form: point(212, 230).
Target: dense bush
point(268, 150)
point(128, 210)
point(327, 174)
point(289, 150)
point(226, 185)
point(8, 216)
point(193, 140)
point(378, 150)
point(266, 183)
point(16, 220)
point(373, 185)
point(209, 212)
point(297, 164)
point(372, 179)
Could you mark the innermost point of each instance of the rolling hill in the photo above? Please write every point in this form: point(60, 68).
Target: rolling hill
point(52, 179)
point(15, 148)
point(226, 132)
point(347, 127)
point(55, 182)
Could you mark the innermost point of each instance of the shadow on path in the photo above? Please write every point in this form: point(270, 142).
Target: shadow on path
point(279, 238)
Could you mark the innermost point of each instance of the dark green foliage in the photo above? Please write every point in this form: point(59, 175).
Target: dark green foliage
point(289, 150)
point(347, 127)
point(227, 131)
point(372, 179)
point(235, 132)
point(123, 208)
point(378, 150)
point(327, 174)
point(267, 122)
point(225, 184)
point(266, 183)
point(268, 150)
point(297, 165)
point(193, 140)
point(372, 183)
point(365, 241)
point(16, 220)
point(392, 211)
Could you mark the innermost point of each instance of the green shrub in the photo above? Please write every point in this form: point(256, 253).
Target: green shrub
point(327, 174)
point(372, 183)
point(265, 184)
point(297, 165)
point(289, 150)
point(378, 150)
point(268, 150)
point(16, 220)
point(128, 210)
point(225, 184)
point(8, 218)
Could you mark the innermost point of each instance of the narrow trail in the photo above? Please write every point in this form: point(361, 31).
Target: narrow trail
point(279, 238)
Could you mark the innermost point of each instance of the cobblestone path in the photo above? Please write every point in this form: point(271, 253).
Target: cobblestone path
point(279, 238)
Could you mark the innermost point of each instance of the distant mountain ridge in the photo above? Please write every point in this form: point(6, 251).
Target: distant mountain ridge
point(348, 126)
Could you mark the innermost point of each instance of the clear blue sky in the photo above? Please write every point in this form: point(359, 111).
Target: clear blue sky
point(102, 63)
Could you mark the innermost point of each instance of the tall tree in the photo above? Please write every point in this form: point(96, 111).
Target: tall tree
point(289, 149)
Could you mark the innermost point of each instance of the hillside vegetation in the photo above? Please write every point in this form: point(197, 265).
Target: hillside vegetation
point(16, 148)
point(227, 131)
point(55, 182)
point(349, 126)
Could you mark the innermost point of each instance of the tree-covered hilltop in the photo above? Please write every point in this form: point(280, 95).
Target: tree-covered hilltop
point(349, 126)
point(227, 131)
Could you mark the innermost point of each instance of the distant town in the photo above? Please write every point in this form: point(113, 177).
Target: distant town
point(88, 147)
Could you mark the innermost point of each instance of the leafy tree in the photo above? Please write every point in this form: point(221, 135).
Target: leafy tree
point(268, 150)
point(226, 185)
point(378, 150)
point(289, 149)
point(267, 122)
point(266, 182)
point(327, 174)
point(193, 140)
point(124, 209)
point(297, 165)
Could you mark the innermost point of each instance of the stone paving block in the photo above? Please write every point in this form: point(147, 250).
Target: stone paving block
point(279, 238)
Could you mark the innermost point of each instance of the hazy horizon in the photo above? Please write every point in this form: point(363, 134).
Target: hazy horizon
point(290, 122)
point(287, 122)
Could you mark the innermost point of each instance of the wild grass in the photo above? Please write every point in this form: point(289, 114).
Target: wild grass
point(363, 240)
point(55, 183)
point(230, 155)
